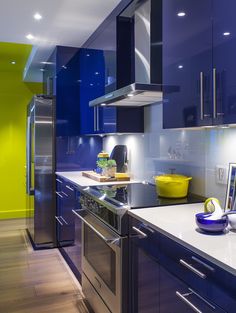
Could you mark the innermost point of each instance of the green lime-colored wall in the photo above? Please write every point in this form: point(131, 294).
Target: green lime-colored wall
point(14, 98)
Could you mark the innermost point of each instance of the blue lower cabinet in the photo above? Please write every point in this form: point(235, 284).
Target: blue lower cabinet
point(168, 278)
point(145, 281)
point(176, 296)
point(68, 227)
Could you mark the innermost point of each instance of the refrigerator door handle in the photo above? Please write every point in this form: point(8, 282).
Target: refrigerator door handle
point(28, 161)
point(29, 189)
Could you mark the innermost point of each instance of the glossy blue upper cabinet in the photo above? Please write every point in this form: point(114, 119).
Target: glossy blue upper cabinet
point(91, 85)
point(187, 63)
point(224, 64)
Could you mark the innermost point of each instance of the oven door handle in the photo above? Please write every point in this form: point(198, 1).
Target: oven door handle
point(114, 241)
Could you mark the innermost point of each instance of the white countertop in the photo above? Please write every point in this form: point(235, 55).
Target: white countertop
point(178, 223)
point(82, 181)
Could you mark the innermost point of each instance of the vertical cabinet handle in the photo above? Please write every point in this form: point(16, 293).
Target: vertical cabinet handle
point(214, 94)
point(98, 126)
point(95, 118)
point(201, 96)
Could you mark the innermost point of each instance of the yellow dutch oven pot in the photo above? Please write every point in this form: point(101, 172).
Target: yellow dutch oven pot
point(172, 185)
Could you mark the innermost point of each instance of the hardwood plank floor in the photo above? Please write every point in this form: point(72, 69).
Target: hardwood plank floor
point(34, 281)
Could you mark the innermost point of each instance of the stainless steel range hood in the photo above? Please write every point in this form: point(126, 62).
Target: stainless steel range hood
point(147, 87)
point(132, 95)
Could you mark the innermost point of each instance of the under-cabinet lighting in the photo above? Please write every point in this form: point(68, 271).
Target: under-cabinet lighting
point(37, 16)
point(181, 14)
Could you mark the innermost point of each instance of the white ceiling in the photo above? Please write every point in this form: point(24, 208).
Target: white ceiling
point(64, 22)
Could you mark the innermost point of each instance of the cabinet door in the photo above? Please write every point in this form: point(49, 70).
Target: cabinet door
point(176, 296)
point(187, 63)
point(145, 282)
point(224, 51)
point(92, 85)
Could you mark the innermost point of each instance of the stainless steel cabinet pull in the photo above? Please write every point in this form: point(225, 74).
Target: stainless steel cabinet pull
point(193, 269)
point(58, 193)
point(58, 180)
point(200, 297)
point(68, 187)
point(214, 94)
point(141, 233)
point(94, 118)
point(62, 218)
point(183, 298)
point(98, 126)
point(201, 96)
point(115, 241)
point(203, 263)
point(58, 219)
point(65, 194)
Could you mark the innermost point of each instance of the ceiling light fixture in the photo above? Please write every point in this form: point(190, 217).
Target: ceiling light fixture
point(29, 36)
point(181, 14)
point(37, 16)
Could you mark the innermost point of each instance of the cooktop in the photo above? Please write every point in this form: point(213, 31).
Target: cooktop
point(139, 195)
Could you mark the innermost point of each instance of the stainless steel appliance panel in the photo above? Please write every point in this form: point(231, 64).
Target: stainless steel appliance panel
point(40, 171)
point(102, 261)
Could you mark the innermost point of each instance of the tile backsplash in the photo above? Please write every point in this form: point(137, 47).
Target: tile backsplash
point(191, 152)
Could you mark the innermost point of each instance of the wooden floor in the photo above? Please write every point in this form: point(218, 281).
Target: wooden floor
point(34, 281)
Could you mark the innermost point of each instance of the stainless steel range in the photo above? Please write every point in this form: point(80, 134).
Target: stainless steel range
point(105, 240)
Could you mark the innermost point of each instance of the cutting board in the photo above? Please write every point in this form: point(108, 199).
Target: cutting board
point(100, 178)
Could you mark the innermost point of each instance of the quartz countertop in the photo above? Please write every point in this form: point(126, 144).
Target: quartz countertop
point(178, 223)
point(76, 178)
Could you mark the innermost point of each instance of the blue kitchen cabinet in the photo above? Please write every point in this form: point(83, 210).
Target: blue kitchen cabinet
point(60, 79)
point(65, 219)
point(187, 63)
point(145, 274)
point(91, 84)
point(199, 45)
point(167, 277)
point(69, 228)
point(176, 296)
point(224, 65)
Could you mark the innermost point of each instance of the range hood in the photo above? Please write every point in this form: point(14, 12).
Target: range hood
point(146, 58)
point(135, 94)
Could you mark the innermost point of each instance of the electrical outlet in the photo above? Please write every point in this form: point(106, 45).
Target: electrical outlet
point(221, 173)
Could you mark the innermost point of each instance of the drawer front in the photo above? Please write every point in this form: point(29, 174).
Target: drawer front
point(203, 276)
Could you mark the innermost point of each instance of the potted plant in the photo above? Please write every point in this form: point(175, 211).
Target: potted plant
point(108, 167)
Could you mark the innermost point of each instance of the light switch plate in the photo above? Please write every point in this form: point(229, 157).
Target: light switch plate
point(221, 174)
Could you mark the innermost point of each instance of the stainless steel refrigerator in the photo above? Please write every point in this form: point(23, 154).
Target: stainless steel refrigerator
point(40, 171)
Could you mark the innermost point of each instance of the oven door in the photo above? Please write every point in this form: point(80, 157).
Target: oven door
point(102, 259)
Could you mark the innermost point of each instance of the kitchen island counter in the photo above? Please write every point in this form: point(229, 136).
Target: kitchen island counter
point(178, 223)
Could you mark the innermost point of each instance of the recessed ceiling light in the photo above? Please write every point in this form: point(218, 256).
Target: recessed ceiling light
point(226, 33)
point(180, 66)
point(29, 36)
point(13, 62)
point(96, 73)
point(181, 14)
point(37, 16)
